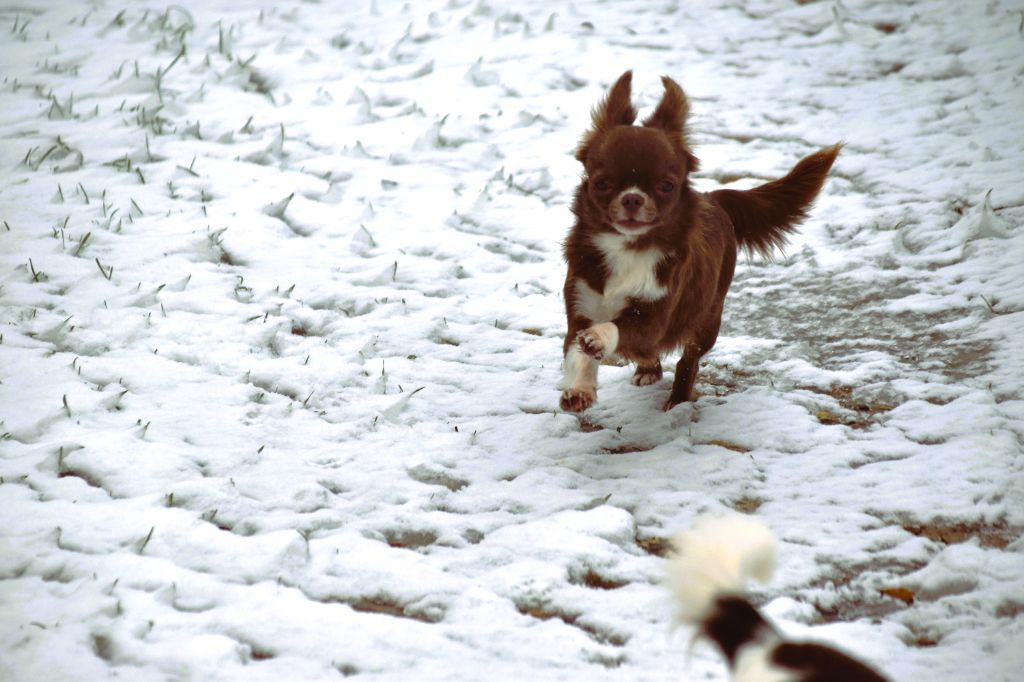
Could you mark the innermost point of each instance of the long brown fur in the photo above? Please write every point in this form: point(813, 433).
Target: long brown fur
point(636, 195)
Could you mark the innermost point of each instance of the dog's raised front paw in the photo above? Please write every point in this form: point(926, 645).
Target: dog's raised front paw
point(591, 343)
point(577, 399)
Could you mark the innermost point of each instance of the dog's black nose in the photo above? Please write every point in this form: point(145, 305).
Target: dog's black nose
point(632, 202)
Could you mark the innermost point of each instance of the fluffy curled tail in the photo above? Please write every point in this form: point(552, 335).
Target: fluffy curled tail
point(707, 575)
point(717, 557)
point(765, 215)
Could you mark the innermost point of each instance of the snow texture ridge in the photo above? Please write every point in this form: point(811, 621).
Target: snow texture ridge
point(281, 326)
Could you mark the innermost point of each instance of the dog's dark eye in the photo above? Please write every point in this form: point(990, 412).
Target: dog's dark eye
point(602, 185)
point(666, 186)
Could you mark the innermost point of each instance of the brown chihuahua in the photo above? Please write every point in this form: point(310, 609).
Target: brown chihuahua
point(650, 260)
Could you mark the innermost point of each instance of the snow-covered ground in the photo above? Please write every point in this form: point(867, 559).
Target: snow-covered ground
point(280, 331)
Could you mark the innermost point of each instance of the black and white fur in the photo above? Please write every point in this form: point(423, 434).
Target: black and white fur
point(707, 573)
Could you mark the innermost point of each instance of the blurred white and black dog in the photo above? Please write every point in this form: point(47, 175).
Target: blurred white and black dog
point(707, 575)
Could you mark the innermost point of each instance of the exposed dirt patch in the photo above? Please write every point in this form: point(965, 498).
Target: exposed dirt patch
point(854, 600)
point(627, 448)
point(437, 477)
point(257, 653)
point(473, 536)
point(747, 505)
point(726, 444)
point(875, 458)
point(89, 479)
point(1011, 608)
point(405, 538)
point(921, 638)
point(346, 669)
point(546, 613)
point(654, 545)
point(858, 413)
point(103, 647)
point(850, 610)
point(903, 594)
point(389, 607)
point(720, 380)
point(997, 535)
point(601, 635)
point(596, 581)
point(849, 318)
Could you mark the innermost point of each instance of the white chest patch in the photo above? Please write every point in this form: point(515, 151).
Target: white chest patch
point(632, 274)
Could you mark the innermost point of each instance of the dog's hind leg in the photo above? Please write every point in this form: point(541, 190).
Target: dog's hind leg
point(686, 377)
point(647, 372)
point(694, 349)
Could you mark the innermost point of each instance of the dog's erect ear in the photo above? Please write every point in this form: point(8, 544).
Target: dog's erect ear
point(670, 116)
point(615, 109)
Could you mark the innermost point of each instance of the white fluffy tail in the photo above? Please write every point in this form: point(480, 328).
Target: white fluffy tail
point(717, 557)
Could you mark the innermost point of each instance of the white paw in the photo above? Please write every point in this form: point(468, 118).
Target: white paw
point(599, 341)
point(577, 399)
